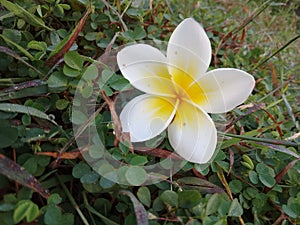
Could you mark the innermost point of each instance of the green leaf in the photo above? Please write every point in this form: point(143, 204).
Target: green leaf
point(24, 14)
point(67, 219)
point(235, 209)
point(262, 168)
point(53, 215)
point(8, 135)
point(13, 35)
point(42, 160)
point(170, 198)
point(79, 170)
point(144, 196)
point(189, 198)
point(247, 162)
point(62, 104)
point(104, 78)
point(54, 199)
point(289, 211)
point(78, 117)
point(253, 177)
point(23, 93)
point(124, 147)
point(105, 168)
point(96, 152)
point(37, 45)
point(265, 174)
point(267, 180)
point(8, 107)
point(137, 34)
point(227, 143)
point(91, 36)
point(58, 10)
point(25, 209)
point(138, 160)
point(73, 60)
point(235, 186)
point(107, 183)
point(57, 80)
point(19, 47)
point(108, 90)
point(90, 73)
point(90, 178)
point(26, 120)
point(158, 205)
point(121, 174)
point(120, 84)
point(87, 91)
point(5, 207)
point(31, 165)
point(70, 72)
point(213, 204)
point(136, 175)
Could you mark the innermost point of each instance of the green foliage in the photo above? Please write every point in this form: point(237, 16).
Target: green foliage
point(8, 134)
point(25, 209)
point(49, 49)
point(135, 175)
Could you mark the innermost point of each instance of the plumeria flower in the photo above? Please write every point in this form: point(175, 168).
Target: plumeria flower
point(179, 92)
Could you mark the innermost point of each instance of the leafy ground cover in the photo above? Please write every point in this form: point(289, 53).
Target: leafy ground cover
point(46, 47)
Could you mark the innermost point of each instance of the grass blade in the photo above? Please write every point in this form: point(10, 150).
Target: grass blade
point(262, 61)
point(281, 149)
point(15, 172)
point(19, 47)
point(139, 210)
point(64, 46)
point(24, 14)
point(8, 107)
point(264, 140)
point(17, 57)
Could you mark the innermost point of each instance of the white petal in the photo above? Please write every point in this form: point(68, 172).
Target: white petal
point(146, 116)
point(156, 86)
point(225, 89)
point(192, 134)
point(146, 69)
point(189, 49)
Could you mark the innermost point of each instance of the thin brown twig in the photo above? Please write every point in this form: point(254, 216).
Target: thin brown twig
point(15, 160)
point(228, 191)
point(280, 175)
point(282, 216)
point(120, 136)
point(116, 13)
point(79, 132)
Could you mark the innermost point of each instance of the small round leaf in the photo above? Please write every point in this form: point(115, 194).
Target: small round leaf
point(189, 198)
point(90, 73)
point(235, 208)
point(73, 60)
point(136, 175)
point(170, 198)
point(80, 170)
point(25, 209)
point(144, 196)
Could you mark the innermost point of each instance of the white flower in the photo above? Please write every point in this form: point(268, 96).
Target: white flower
point(179, 92)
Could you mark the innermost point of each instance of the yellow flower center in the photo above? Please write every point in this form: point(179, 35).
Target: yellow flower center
point(187, 89)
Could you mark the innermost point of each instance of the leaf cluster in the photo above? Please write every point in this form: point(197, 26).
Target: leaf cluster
point(52, 50)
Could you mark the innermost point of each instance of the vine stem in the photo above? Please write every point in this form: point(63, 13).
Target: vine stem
point(72, 200)
point(265, 140)
point(262, 61)
point(223, 180)
point(95, 212)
